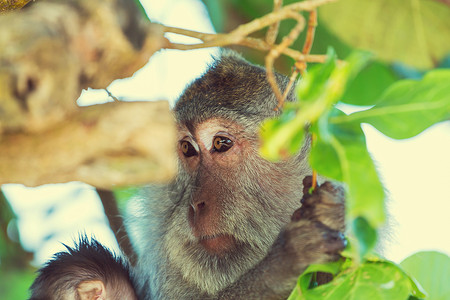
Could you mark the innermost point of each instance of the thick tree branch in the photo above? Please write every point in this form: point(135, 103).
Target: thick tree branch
point(106, 145)
point(54, 49)
point(51, 51)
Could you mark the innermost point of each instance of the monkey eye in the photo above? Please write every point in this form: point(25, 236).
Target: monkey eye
point(187, 149)
point(222, 144)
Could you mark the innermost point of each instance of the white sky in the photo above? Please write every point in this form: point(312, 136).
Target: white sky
point(416, 172)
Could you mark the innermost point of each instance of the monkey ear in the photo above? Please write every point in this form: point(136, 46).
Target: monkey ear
point(91, 290)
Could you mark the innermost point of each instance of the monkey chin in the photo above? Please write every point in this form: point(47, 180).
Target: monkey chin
point(218, 244)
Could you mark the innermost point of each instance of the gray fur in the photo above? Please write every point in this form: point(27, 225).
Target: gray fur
point(172, 264)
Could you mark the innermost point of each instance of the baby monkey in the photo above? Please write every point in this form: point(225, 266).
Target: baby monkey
point(87, 271)
point(232, 225)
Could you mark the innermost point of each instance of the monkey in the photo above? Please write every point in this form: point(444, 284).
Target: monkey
point(231, 225)
point(86, 271)
point(223, 228)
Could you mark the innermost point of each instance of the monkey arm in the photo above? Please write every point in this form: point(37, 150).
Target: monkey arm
point(313, 236)
point(270, 279)
point(299, 245)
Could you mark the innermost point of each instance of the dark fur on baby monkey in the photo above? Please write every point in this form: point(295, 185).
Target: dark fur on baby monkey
point(230, 225)
point(86, 271)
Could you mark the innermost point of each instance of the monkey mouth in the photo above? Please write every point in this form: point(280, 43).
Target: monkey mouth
point(218, 244)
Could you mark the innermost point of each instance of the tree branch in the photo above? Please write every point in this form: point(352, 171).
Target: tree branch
point(239, 36)
point(54, 49)
point(113, 144)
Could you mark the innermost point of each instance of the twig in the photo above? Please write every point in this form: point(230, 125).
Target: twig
point(191, 33)
point(275, 53)
point(272, 32)
point(292, 79)
point(300, 65)
point(282, 14)
point(111, 95)
point(240, 36)
point(312, 24)
point(255, 44)
point(310, 33)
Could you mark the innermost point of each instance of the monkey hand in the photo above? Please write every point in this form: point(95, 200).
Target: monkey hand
point(315, 234)
point(326, 205)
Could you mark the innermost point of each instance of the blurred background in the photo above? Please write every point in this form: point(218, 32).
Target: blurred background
point(36, 222)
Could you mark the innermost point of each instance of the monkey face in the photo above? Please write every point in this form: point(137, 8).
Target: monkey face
point(211, 154)
point(231, 201)
point(229, 204)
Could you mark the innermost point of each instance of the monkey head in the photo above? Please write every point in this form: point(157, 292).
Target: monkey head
point(233, 202)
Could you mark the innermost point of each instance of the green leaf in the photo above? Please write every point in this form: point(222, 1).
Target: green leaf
point(366, 235)
point(408, 107)
point(253, 8)
point(282, 136)
point(414, 32)
point(141, 9)
point(371, 280)
point(326, 83)
point(432, 270)
point(369, 84)
point(305, 279)
point(314, 84)
point(318, 91)
point(15, 283)
point(217, 13)
point(347, 160)
point(124, 194)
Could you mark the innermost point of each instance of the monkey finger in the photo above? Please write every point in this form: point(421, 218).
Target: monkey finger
point(331, 193)
point(335, 242)
point(303, 213)
point(297, 215)
point(307, 184)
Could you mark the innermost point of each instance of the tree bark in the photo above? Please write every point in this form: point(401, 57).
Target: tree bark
point(49, 52)
point(106, 145)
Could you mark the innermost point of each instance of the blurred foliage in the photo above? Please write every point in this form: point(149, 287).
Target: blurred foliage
point(373, 279)
point(125, 194)
point(408, 107)
point(373, 79)
point(432, 270)
point(339, 151)
point(15, 271)
point(413, 32)
point(239, 12)
point(14, 284)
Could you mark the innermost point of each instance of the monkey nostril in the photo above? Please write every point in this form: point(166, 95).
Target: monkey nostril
point(197, 207)
point(201, 206)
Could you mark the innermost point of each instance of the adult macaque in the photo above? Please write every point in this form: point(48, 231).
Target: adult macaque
point(226, 227)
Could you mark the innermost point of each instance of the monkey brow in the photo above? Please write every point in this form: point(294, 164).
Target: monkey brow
point(190, 126)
